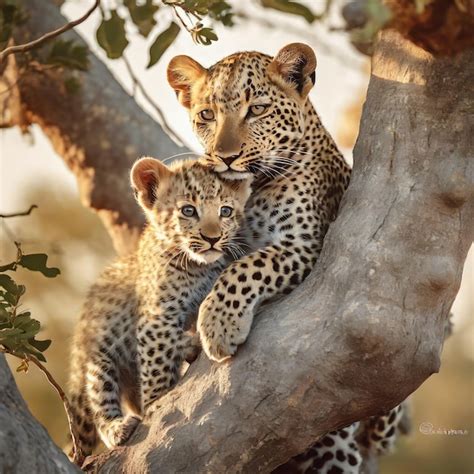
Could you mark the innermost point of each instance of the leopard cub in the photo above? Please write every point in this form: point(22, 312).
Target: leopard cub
point(131, 339)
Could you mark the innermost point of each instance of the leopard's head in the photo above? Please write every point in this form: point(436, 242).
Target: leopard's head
point(248, 108)
point(192, 210)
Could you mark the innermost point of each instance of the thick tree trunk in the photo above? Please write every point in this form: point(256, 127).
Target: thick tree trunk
point(98, 131)
point(367, 326)
point(25, 446)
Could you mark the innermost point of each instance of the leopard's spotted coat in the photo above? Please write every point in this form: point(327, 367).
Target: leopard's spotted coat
point(252, 115)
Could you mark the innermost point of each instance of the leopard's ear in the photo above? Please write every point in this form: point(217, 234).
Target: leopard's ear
point(182, 72)
point(293, 68)
point(146, 175)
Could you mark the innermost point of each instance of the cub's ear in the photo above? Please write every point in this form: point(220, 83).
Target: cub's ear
point(294, 68)
point(146, 175)
point(182, 72)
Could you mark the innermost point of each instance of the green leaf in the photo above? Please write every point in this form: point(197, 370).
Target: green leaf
point(21, 320)
point(69, 54)
point(111, 35)
point(4, 315)
point(30, 329)
point(37, 262)
point(221, 11)
point(9, 285)
point(142, 15)
point(287, 6)
point(40, 345)
point(28, 348)
point(9, 332)
point(204, 36)
point(7, 15)
point(10, 298)
point(162, 43)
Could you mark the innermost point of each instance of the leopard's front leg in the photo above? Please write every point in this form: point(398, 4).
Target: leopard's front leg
point(226, 315)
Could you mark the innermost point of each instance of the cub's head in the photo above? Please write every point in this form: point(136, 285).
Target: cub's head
point(248, 107)
point(191, 208)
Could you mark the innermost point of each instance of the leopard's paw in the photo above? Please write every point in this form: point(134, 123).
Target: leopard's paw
point(119, 430)
point(192, 347)
point(221, 332)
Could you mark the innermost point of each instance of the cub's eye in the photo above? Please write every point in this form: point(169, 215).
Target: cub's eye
point(257, 110)
point(226, 211)
point(207, 115)
point(188, 211)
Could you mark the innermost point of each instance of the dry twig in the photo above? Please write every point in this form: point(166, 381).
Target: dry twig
point(21, 48)
point(19, 214)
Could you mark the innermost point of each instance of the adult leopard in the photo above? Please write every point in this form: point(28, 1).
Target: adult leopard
point(252, 114)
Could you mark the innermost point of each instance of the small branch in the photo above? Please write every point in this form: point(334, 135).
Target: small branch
point(137, 84)
point(19, 214)
point(186, 27)
point(67, 406)
point(60, 392)
point(21, 48)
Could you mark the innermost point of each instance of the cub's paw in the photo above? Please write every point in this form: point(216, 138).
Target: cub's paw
point(221, 332)
point(119, 430)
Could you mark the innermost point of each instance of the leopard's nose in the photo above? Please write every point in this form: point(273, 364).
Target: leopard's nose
point(211, 240)
point(228, 160)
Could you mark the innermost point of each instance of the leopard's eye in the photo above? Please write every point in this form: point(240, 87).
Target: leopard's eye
point(188, 211)
point(207, 115)
point(257, 110)
point(226, 211)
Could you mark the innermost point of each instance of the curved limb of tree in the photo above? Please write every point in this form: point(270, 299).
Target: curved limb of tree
point(98, 131)
point(25, 445)
point(367, 326)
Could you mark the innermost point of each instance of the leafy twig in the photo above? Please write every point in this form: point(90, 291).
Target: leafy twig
point(59, 390)
point(19, 214)
point(21, 48)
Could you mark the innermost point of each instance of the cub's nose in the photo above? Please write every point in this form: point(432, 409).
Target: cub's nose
point(211, 240)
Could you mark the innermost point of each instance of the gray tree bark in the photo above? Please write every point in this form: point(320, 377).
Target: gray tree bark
point(367, 326)
point(98, 131)
point(25, 446)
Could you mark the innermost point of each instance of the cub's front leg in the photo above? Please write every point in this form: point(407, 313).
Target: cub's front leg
point(226, 315)
point(162, 347)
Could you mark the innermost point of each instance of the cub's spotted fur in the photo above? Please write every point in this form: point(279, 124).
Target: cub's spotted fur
point(252, 115)
point(131, 340)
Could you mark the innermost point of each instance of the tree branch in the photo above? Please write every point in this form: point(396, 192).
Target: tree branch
point(22, 48)
point(19, 214)
point(64, 399)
